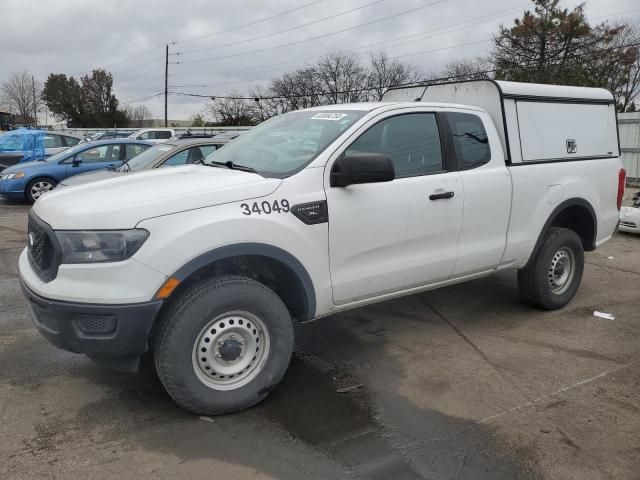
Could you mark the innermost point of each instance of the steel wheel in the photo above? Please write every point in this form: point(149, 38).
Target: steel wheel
point(40, 187)
point(231, 350)
point(561, 271)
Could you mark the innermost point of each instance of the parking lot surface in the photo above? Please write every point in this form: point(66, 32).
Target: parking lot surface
point(462, 382)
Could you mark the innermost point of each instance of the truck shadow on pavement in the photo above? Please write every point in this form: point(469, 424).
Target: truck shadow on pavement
point(327, 402)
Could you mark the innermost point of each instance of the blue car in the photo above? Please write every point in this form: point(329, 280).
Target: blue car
point(31, 179)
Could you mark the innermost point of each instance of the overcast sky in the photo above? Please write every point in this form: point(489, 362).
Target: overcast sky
point(128, 38)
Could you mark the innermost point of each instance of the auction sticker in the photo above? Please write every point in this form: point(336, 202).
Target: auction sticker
point(328, 116)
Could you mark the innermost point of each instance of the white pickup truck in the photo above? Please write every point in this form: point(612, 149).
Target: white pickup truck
point(318, 211)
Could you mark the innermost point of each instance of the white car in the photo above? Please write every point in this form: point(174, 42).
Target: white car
point(318, 211)
point(154, 135)
point(630, 218)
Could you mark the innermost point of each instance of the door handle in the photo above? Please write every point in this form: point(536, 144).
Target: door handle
point(441, 196)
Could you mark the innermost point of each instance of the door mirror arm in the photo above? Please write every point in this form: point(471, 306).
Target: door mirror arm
point(357, 168)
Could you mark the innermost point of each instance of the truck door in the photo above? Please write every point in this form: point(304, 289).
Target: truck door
point(393, 236)
point(487, 192)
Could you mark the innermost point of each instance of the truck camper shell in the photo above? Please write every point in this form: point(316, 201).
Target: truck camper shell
point(536, 123)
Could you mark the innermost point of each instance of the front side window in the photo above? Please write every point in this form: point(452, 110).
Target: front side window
point(103, 153)
point(287, 143)
point(470, 141)
point(412, 141)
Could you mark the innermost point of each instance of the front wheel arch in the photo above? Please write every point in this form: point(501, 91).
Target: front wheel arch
point(30, 183)
point(270, 265)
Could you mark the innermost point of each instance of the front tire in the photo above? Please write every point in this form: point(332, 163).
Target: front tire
point(223, 345)
point(552, 277)
point(38, 186)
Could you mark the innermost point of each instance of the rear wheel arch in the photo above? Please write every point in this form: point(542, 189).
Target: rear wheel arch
point(271, 266)
point(576, 214)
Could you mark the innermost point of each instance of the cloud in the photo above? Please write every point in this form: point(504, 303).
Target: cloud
point(128, 38)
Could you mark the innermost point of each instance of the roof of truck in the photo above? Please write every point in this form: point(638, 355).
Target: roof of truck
point(553, 91)
point(369, 106)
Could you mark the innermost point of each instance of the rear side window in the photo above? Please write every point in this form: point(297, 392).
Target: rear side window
point(132, 150)
point(71, 141)
point(470, 140)
point(53, 141)
point(162, 135)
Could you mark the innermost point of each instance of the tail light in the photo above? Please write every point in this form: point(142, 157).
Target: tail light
point(622, 176)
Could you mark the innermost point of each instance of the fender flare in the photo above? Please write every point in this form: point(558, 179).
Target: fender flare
point(572, 202)
point(254, 249)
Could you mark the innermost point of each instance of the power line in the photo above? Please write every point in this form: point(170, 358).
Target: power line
point(383, 19)
point(286, 12)
point(429, 33)
point(290, 29)
point(143, 98)
point(343, 92)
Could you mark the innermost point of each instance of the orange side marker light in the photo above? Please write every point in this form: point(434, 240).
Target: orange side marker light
point(167, 288)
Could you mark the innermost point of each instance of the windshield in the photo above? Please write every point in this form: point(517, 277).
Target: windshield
point(67, 153)
point(146, 158)
point(287, 143)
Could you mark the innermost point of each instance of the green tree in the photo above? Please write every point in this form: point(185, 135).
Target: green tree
point(558, 46)
point(88, 103)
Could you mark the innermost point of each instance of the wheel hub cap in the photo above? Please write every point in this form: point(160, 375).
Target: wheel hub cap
point(231, 350)
point(561, 271)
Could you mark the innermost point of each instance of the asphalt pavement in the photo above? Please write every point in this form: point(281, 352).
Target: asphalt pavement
point(458, 383)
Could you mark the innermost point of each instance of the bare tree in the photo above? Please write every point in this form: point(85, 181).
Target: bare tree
point(341, 78)
point(232, 110)
point(17, 93)
point(467, 69)
point(138, 116)
point(385, 72)
point(618, 67)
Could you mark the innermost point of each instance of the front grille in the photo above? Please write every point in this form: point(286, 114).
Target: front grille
point(96, 324)
point(43, 249)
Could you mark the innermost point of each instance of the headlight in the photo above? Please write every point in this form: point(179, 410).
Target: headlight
point(11, 176)
point(100, 246)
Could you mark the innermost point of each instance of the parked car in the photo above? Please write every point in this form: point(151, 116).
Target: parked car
point(57, 142)
point(154, 135)
point(31, 179)
point(168, 154)
point(318, 211)
point(630, 216)
point(105, 136)
point(25, 145)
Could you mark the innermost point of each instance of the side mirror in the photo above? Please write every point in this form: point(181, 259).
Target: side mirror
point(361, 168)
point(75, 162)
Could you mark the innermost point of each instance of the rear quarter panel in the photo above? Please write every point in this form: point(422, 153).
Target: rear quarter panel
point(539, 188)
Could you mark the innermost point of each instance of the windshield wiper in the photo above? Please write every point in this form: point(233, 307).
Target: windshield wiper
point(233, 166)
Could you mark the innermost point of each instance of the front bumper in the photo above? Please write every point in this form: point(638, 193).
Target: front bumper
point(12, 189)
point(112, 335)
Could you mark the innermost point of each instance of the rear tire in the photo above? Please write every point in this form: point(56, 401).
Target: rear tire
point(223, 345)
point(551, 278)
point(38, 186)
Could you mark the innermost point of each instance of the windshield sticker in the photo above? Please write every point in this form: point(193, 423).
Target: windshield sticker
point(329, 116)
point(164, 149)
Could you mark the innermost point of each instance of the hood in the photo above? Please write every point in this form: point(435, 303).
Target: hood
point(89, 177)
point(124, 201)
point(18, 167)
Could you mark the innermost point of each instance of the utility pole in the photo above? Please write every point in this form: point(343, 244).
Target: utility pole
point(166, 83)
point(35, 105)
